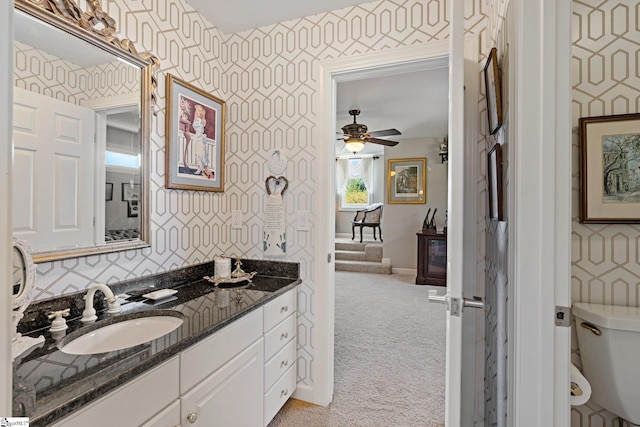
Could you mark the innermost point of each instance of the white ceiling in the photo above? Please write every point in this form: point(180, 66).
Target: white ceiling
point(416, 103)
point(239, 15)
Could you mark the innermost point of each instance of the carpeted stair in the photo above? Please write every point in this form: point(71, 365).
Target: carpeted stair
point(359, 257)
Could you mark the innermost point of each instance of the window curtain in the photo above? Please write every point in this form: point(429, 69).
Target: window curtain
point(347, 169)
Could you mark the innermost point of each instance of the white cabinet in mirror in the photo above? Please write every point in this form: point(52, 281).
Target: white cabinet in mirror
point(24, 276)
point(82, 107)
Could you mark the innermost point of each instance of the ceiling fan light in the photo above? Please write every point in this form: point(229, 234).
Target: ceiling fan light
point(354, 145)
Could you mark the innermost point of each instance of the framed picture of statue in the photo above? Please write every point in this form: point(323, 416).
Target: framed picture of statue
point(610, 169)
point(195, 132)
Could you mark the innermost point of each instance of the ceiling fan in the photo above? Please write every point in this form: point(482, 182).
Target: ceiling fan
point(356, 135)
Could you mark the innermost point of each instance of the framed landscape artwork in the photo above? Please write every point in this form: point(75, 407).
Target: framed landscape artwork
point(195, 138)
point(610, 169)
point(407, 181)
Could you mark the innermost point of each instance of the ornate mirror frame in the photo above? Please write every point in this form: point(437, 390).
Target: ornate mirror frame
point(21, 301)
point(96, 27)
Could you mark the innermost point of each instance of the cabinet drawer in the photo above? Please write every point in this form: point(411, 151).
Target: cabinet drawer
point(151, 392)
point(279, 393)
point(279, 364)
point(207, 356)
point(279, 309)
point(170, 417)
point(279, 336)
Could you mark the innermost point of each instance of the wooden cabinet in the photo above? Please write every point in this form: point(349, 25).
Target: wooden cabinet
point(280, 352)
point(432, 259)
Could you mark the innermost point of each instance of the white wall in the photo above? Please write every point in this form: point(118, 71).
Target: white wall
point(401, 222)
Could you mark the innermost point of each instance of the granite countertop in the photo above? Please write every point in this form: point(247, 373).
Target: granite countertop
point(63, 382)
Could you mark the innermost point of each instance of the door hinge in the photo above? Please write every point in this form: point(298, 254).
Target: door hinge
point(563, 316)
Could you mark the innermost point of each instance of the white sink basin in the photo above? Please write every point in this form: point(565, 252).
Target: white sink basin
point(121, 335)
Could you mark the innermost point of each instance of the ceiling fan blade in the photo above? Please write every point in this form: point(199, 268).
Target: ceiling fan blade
point(384, 132)
point(382, 142)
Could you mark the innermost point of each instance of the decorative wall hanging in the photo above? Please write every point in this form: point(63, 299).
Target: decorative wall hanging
point(610, 169)
point(407, 181)
point(494, 174)
point(492, 91)
point(195, 138)
point(108, 191)
point(275, 227)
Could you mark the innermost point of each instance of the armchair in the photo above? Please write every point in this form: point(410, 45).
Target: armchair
point(371, 216)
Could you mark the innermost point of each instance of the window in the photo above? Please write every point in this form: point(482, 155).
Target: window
point(354, 183)
point(113, 158)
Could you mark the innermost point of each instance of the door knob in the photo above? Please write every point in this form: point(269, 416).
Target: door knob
point(440, 299)
point(192, 417)
point(476, 302)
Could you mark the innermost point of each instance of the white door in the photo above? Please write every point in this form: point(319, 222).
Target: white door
point(461, 378)
point(52, 172)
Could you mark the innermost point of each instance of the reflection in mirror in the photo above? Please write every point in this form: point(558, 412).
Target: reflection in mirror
point(19, 273)
point(81, 129)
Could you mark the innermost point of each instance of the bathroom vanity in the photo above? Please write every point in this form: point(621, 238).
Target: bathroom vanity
point(231, 362)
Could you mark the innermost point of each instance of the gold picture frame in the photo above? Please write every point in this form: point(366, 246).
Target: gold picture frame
point(407, 181)
point(195, 137)
point(492, 91)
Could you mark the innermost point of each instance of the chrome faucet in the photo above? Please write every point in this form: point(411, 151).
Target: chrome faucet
point(89, 313)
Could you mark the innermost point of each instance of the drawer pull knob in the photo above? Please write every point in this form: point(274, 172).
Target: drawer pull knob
point(192, 417)
point(284, 363)
point(284, 309)
point(284, 335)
point(284, 392)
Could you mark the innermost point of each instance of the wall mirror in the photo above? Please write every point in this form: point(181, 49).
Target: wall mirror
point(83, 101)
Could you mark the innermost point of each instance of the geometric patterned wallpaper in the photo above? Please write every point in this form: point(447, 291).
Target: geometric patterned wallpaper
point(267, 78)
point(43, 73)
point(496, 233)
point(606, 80)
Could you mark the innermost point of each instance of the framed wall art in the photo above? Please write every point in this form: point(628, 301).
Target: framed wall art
point(133, 208)
point(195, 130)
point(407, 181)
point(492, 89)
point(108, 191)
point(494, 176)
point(610, 169)
point(130, 192)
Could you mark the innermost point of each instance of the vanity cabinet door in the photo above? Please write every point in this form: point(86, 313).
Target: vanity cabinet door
point(230, 397)
point(133, 403)
point(169, 417)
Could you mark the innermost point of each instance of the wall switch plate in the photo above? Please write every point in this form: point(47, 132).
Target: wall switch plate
point(303, 221)
point(236, 219)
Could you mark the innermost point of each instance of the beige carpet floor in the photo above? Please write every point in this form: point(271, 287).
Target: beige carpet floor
point(389, 357)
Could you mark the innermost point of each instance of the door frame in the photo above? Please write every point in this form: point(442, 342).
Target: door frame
point(540, 213)
point(6, 158)
point(329, 73)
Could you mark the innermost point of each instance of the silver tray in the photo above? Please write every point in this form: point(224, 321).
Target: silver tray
point(246, 277)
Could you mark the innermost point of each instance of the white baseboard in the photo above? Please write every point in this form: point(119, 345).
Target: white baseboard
point(411, 271)
point(304, 392)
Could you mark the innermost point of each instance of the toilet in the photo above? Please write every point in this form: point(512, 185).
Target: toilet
point(609, 342)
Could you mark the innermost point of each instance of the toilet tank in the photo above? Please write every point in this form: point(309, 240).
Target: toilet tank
point(609, 342)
